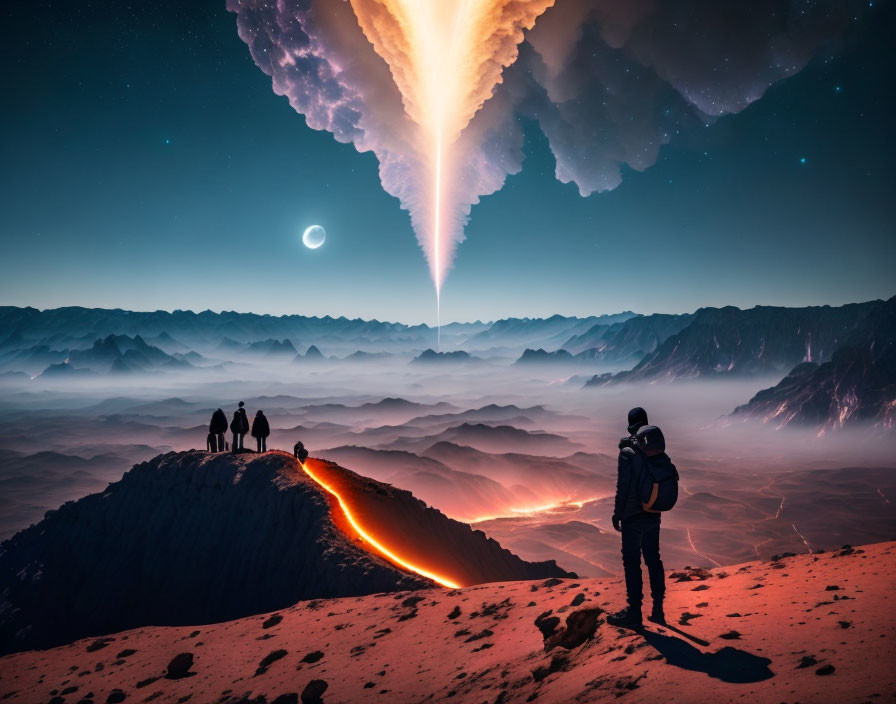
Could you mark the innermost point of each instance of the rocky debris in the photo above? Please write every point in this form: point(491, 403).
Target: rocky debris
point(179, 667)
point(479, 636)
point(313, 692)
point(272, 621)
point(99, 644)
point(455, 613)
point(312, 657)
point(578, 599)
point(269, 659)
point(116, 696)
point(730, 635)
point(126, 653)
point(690, 574)
point(825, 670)
point(687, 616)
point(558, 663)
point(289, 698)
point(806, 661)
point(553, 582)
point(547, 624)
point(581, 626)
point(701, 588)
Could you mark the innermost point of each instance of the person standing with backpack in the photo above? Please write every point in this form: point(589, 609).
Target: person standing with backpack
point(646, 485)
point(260, 431)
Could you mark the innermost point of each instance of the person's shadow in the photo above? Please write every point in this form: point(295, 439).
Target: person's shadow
point(728, 664)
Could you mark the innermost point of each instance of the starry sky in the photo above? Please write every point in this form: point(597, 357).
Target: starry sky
point(147, 164)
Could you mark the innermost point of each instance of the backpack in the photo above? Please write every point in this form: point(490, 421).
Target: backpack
point(658, 484)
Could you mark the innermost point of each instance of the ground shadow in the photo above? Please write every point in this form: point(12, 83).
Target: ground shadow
point(728, 664)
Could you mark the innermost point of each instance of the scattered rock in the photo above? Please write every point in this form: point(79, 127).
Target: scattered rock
point(557, 663)
point(479, 636)
point(99, 644)
point(382, 632)
point(268, 660)
point(144, 683)
point(832, 588)
point(730, 635)
point(313, 692)
point(687, 616)
point(580, 626)
point(734, 615)
point(413, 601)
point(116, 696)
point(272, 621)
point(845, 624)
point(455, 613)
point(290, 698)
point(578, 599)
point(825, 670)
point(126, 653)
point(179, 667)
point(552, 582)
point(547, 624)
point(701, 588)
point(806, 661)
point(313, 656)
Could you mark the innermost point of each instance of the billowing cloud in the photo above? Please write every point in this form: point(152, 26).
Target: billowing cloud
point(435, 87)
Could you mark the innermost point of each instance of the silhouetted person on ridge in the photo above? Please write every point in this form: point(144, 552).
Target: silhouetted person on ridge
point(236, 427)
point(301, 454)
point(260, 431)
point(245, 422)
point(216, 429)
point(640, 528)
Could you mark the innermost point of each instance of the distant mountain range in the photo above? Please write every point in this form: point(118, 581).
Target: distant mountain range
point(856, 386)
point(711, 343)
point(765, 340)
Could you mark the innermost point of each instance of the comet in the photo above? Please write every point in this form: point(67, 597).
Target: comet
point(446, 57)
point(374, 544)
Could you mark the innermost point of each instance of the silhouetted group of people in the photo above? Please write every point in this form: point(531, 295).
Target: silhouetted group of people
point(239, 426)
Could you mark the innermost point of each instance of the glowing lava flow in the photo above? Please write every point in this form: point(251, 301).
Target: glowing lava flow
point(374, 543)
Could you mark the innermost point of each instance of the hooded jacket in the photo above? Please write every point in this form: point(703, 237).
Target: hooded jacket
point(260, 427)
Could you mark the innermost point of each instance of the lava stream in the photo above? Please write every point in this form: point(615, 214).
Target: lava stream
point(373, 542)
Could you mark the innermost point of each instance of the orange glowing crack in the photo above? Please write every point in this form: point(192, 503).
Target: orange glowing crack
point(379, 547)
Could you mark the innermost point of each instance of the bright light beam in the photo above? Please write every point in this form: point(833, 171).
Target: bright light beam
point(374, 543)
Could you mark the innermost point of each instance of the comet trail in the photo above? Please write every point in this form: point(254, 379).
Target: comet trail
point(445, 57)
point(373, 542)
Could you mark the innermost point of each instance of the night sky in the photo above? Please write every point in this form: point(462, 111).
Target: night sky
point(147, 164)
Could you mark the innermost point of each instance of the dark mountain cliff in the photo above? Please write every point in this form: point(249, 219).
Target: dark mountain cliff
point(193, 537)
point(764, 340)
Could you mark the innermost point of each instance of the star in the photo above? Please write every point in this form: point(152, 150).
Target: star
point(802, 160)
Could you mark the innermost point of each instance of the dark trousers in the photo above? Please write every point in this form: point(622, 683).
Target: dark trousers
point(262, 444)
point(219, 438)
point(237, 443)
point(641, 534)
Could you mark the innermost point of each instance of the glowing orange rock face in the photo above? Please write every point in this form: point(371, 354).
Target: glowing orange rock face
point(329, 481)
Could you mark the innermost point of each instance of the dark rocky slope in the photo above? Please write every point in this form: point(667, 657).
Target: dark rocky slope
point(191, 538)
point(856, 387)
point(765, 340)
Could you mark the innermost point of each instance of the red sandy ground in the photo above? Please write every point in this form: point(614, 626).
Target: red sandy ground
point(836, 610)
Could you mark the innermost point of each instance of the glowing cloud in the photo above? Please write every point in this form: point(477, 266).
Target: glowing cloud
point(435, 87)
